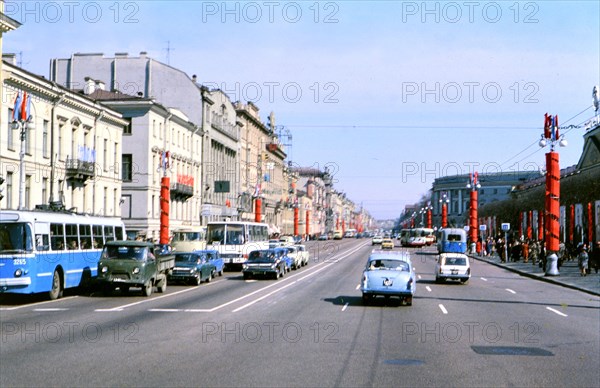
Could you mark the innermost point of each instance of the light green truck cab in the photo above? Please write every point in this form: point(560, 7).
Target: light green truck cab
point(125, 264)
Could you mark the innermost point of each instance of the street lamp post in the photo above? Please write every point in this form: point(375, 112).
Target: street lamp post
point(552, 200)
point(444, 201)
point(23, 122)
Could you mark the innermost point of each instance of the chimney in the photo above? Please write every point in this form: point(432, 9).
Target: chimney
point(100, 85)
point(90, 86)
point(194, 78)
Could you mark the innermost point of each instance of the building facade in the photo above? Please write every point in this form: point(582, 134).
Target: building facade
point(71, 148)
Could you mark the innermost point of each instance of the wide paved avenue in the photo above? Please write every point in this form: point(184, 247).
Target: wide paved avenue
point(310, 328)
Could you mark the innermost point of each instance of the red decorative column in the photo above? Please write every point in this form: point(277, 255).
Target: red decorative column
point(308, 223)
point(444, 215)
point(552, 201)
point(296, 220)
point(165, 198)
point(257, 209)
point(473, 227)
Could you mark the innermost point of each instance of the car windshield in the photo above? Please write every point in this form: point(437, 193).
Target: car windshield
point(263, 256)
point(456, 261)
point(186, 258)
point(122, 252)
point(380, 264)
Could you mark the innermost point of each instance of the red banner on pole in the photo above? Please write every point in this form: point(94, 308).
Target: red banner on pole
point(257, 209)
point(473, 227)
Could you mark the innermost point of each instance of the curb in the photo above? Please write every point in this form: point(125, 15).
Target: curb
point(532, 276)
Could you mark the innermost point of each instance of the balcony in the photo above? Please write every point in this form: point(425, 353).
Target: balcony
point(79, 170)
point(183, 188)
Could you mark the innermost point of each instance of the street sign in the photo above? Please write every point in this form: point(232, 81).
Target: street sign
point(505, 226)
point(482, 227)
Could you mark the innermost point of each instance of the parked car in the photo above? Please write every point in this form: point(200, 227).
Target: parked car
point(377, 239)
point(266, 262)
point(192, 267)
point(286, 240)
point(453, 266)
point(323, 237)
point(388, 274)
point(387, 243)
point(292, 252)
point(304, 254)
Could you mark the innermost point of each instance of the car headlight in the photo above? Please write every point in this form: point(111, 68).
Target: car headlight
point(136, 270)
point(104, 269)
point(245, 267)
point(18, 273)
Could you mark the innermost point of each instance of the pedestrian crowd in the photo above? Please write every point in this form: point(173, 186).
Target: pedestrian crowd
point(531, 250)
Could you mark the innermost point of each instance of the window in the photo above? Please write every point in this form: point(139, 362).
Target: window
point(98, 238)
point(71, 236)
point(105, 155)
point(85, 235)
point(127, 173)
point(9, 189)
point(10, 138)
point(127, 131)
point(57, 237)
point(45, 152)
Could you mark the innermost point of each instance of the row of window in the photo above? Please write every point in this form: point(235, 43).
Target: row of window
point(74, 236)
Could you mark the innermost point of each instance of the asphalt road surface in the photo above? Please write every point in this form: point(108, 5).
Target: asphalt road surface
point(309, 328)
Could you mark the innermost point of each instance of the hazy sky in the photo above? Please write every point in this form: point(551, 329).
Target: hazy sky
point(389, 95)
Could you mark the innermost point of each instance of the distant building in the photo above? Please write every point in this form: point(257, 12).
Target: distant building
point(494, 187)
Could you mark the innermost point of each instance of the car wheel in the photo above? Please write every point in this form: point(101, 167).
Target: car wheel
point(246, 276)
point(464, 281)
point(221, 272)
point(209, 278)
point(107, 290)
point(147, 288)
point(408, 300)
point(162, 285)
point(366, 298)
point(197, 279)
point(56, 291)
point(438, 280)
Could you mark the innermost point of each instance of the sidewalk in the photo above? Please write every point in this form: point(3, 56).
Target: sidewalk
point(569, 275)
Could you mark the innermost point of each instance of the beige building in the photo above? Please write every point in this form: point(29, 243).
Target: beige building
point(158, 141)
point(262, 170)
point(70, 146)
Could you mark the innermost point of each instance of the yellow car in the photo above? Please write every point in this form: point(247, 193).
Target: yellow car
point(387, 243)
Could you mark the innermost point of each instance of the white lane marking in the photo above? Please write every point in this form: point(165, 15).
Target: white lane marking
point(509, 290)
point(281, 288)
point(557, 312)
point(51, 309)
point(443, 309)
point(357, 287)
point(264, 296)
point(165, 310)
point(345, 306)
point(121, 308)
point(36, 304)
point(484, 279)
point(427, 288)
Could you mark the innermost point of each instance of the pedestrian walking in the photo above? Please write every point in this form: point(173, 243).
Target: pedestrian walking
point(583, 259)
point(534, 251)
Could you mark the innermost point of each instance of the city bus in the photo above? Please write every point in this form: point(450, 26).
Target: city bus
point(188, 239)
point(43, 251)
point(236, 239)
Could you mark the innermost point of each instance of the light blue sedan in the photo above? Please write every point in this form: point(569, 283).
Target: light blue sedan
point(388, 274)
